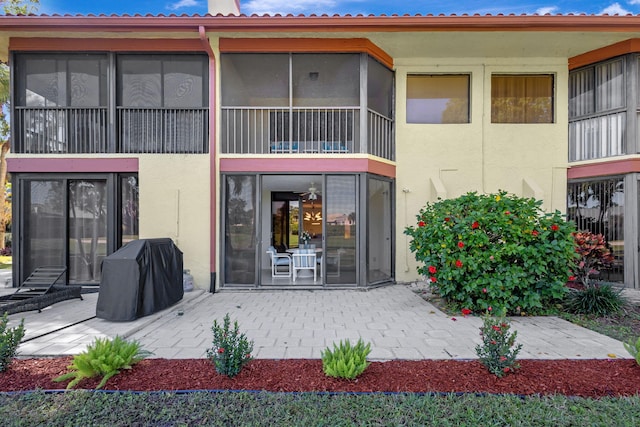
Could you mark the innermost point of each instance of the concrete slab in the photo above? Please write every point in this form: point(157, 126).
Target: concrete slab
point(300, 324)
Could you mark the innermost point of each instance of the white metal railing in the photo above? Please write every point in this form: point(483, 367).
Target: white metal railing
point(284, 130)
point(597, 137)
point(381, 136)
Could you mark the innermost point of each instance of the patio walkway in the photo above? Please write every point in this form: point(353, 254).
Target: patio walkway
point(397, 322)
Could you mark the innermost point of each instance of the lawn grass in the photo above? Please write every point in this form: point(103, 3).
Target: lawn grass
point(5, 261)
point(311, 409)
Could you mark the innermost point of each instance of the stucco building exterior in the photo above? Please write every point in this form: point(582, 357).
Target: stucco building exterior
point(232, 134)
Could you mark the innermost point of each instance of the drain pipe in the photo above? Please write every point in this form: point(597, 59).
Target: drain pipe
point(212, 155)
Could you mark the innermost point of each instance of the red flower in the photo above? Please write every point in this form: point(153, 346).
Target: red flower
point(466, 312)
point(505, 370)
point(432, 269)
point(507, 213)
point(475, 225)
point(460, 245)
point(493, 342)
point(502, 358)
point(495, 328)
point(454, 319)
point(421, 224)
point(433, 279)
point(221, 350)
point(458, 263)
point(554, 227)
point(489, 309)
point(484, 290)
point(572, 278)
point(447, 219)
point(534, 233)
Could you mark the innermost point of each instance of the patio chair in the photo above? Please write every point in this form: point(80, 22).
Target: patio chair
point(278, 262)
point(304, 259)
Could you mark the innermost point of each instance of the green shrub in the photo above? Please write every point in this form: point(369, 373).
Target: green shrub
point(346, 361)
point(633, 347)
point(9, 340)
point(497, 351)
point(231, 349)
point(104, 357)
point(595, 299)
point(494, 250)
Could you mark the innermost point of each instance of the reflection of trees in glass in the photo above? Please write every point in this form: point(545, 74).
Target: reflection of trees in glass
point(521, 110)
point(241, 194)
point(130, 198)
point(87, 209)
point(590, 206)
point(456, 111)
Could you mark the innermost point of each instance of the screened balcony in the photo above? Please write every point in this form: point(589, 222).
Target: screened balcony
point(110, 103)
point(306, 104)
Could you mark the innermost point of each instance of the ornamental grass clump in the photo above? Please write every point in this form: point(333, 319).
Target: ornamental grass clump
point(104, 357)
point(498, 350)
point(500, 250)
point(9, 341)
point(633, 347)
point(346, 361)
point(231, 349)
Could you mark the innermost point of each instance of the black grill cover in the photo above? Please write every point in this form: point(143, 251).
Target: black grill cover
point(141, 278)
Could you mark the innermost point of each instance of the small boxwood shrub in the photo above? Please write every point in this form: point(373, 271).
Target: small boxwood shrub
point(494, 250)
point(9, 341)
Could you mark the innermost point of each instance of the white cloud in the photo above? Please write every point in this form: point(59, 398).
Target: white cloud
point(615, 9)
point(634, 2)
point(182, 3)
point(549, 9)
point(271, 7)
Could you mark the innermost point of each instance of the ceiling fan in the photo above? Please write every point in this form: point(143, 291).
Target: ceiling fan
point(312, 193)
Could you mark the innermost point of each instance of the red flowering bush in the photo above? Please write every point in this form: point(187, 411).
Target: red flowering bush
point(231, 349)
point(594, 256)
point(494, 250)
point(498, 351)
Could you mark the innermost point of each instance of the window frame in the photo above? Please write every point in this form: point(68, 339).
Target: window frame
point(553, 96)
point(436, 75)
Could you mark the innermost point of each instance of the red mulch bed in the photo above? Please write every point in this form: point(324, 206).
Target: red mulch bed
point(587, 378)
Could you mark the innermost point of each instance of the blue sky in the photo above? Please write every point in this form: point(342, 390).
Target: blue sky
point(375, 7)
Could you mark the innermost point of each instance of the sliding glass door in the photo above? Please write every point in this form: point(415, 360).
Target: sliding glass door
point(73, 221)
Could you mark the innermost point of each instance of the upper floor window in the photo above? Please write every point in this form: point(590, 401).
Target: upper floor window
point(517, 98)
point(597, 111)
point(438, 98)
point(62, 103)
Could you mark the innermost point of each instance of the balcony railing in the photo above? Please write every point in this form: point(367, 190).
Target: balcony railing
point(597, 137)
point(333, 130)
point(45, 130)
point(163, 130)
point(61, 130)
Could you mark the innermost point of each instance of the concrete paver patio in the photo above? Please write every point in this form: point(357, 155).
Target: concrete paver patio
point(397, 322)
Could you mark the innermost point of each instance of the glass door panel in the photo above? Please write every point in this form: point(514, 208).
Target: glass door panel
point(87, 230)
point(240, 230)
point(340, 255)
point(44, 225)
point(379, 231)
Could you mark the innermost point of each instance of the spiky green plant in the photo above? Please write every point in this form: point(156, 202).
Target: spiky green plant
point(9, 340)
point(346, 361)
point(633, 347)
point(104, 357)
